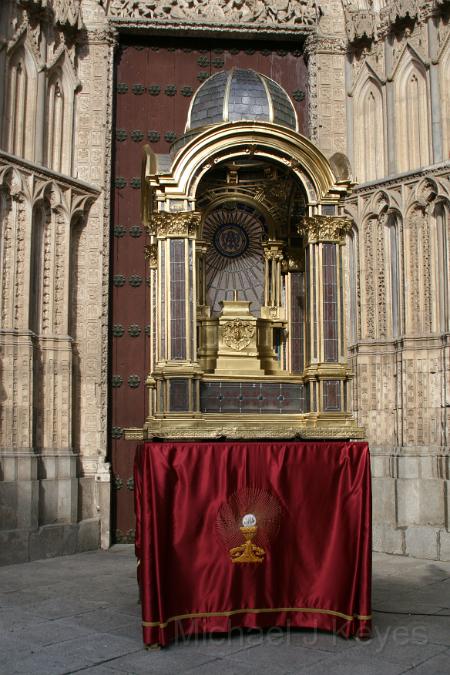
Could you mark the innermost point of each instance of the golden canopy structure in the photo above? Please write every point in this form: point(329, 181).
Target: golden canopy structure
point(246, 229)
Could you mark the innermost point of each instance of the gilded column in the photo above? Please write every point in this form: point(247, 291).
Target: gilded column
point(200, 249)
point(294, 269)
point(325, 358)
point(151, 253)
point(273, 257)
point(176, 349)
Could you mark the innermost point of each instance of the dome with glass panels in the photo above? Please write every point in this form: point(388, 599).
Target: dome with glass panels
point(240, 95)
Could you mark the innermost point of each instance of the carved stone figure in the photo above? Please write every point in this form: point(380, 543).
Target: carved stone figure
point(279, 12)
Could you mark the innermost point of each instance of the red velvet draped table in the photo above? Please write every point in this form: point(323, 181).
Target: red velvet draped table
point(314, 502)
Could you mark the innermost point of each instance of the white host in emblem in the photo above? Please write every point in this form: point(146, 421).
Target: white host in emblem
point(249, 520)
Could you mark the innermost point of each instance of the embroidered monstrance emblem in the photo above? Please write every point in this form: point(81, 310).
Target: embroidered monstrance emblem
point(247, 523)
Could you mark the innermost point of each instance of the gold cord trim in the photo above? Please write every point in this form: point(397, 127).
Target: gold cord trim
point(265, 610)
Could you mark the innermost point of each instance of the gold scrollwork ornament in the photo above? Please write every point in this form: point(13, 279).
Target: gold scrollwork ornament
point(176, 224)
point(324, 229)
point(237, 334)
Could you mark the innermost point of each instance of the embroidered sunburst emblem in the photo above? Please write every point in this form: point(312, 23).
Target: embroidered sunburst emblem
point(247, 523)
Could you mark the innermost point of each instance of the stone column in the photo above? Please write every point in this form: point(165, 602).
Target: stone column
point(390, 103)
point(5, 23)
point(53, 375)
point(19, 491)
point(435, 94)
point(349, 109)
point(176, 362)
point(92, 163)
point(41, 92)
point(325, 360)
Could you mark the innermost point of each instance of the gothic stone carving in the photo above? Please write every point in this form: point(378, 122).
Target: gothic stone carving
point(65, 13)
point(278, 12)
point(372, 24)
point(360, 23)
point(400, 9)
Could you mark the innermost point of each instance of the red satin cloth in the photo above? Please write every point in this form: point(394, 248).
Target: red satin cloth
point(317, 570)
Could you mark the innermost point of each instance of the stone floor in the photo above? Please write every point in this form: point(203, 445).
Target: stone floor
point(80, 614)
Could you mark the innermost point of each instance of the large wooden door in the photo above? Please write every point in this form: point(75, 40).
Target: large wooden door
point(155, 80)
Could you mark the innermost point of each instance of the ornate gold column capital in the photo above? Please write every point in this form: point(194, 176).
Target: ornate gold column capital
point(330, 229)
point(273, 250)
point(180, 224)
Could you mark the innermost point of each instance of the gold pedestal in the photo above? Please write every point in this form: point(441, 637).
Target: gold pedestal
point(243, 342)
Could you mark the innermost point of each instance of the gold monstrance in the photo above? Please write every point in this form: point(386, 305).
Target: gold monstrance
point(248, 552)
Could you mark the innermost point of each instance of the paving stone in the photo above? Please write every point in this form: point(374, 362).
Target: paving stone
point(58, 608)
point(224, 666)
point(39, 663)
point(49, 633)
point(347, 663)
point(290, 657)
point(164, 662)
point(104, 620)
point(132, 631)
point(101, 670)
point(223, 645)
point(327, 642)
point(94, 649)
point(433, 629)
point(13, 647)
point(438, 665)
point(398, 645)
point(70, 656)
point(14, 618)
point(80, 613)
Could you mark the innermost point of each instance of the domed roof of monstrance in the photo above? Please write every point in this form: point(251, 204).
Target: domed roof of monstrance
point(240, 94)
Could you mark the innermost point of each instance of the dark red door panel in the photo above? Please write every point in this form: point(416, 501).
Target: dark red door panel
point(155, 80)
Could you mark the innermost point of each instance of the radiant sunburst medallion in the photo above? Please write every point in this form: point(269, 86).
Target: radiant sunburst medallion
point(231, 240)
point(252, 514)
point(234, 259)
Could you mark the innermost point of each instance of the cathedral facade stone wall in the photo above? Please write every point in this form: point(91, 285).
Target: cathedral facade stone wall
point(378, 108)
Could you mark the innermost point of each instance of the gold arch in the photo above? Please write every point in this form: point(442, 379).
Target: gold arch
point(259, 139)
